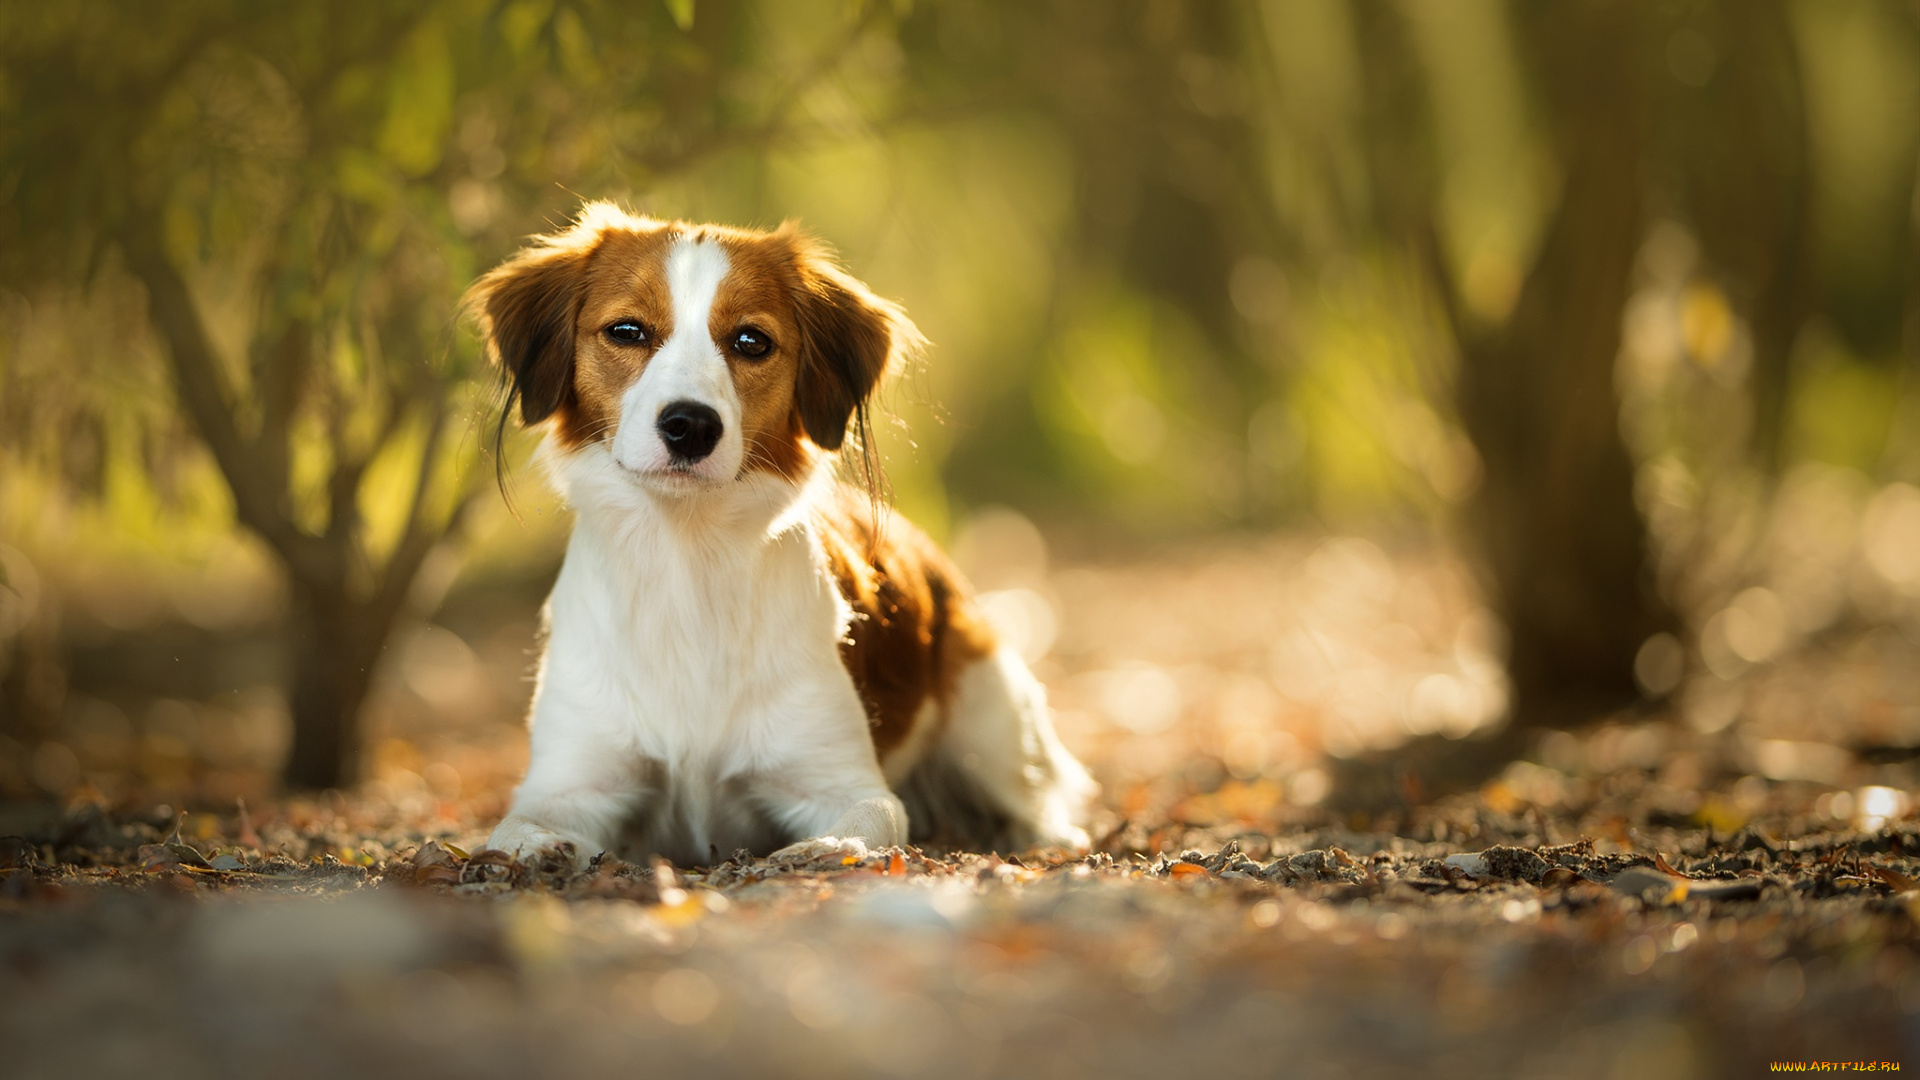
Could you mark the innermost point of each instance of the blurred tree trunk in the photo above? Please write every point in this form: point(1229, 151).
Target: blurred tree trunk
point(1555, 514)
point(333, 646)
point(1559, 531)
point(344, 601)
point(1563, 548)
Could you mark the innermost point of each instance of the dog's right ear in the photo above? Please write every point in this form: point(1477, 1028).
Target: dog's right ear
point(849, 339)
point(526, 308)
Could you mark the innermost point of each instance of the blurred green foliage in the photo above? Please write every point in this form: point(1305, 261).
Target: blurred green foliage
point(1005, 169)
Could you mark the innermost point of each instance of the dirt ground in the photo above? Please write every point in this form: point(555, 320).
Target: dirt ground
point(1655, 895)
point(1465, 940)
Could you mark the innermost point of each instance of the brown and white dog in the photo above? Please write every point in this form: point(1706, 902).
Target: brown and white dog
point(740, 652)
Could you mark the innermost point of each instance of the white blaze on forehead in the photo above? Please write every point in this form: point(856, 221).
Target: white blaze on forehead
point(695, 269)
point(688, 366)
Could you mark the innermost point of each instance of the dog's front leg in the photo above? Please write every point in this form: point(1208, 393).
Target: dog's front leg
point(574, 801)
point(840, 806)
point(872, 824)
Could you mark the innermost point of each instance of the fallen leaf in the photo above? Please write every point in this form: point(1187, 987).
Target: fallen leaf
point(1660, 864)
point(170, 857)
point(1660, 889)
point(1559, 877)
point(896, 866)
point(432, 853)
point(1899, 881)
point(436, 875)
point(490, 865)
point(1185, 870)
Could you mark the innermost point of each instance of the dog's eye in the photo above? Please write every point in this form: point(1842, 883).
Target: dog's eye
point(628, 332)
point(751, 343)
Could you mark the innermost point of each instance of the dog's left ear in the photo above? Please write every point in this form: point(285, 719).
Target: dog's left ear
point(525, 308)
point(849, 339)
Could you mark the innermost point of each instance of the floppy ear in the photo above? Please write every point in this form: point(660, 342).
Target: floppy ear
point(526, 308)
point(849, 337)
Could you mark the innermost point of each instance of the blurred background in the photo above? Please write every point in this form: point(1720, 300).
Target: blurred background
point(1312, 380)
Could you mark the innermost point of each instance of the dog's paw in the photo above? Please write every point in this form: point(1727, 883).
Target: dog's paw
point(1065, 835)
point(1075, 842)
point(837, 850)
point(537, 845)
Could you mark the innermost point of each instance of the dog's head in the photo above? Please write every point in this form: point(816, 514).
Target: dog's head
point(692, 354)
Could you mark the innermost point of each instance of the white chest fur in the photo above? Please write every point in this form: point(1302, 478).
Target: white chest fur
point(692, 697)
point(685, 634)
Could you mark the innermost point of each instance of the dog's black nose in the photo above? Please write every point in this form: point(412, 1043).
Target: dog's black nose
point(690, 430)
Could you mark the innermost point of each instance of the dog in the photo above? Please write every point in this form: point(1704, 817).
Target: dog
point(743, 652)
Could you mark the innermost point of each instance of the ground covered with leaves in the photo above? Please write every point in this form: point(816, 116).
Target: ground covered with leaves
point(1555, 922)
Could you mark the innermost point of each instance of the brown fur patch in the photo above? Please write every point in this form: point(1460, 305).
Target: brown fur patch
point(915, 626)
point(760, 292)
point(625, 279)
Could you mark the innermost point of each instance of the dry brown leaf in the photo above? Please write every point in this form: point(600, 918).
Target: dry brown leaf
point(1559, 877)
point(1186, 870)
point(170, 857)
point(490, 864)
point(432, 854)
point(1894, 878)
point(436, 875)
